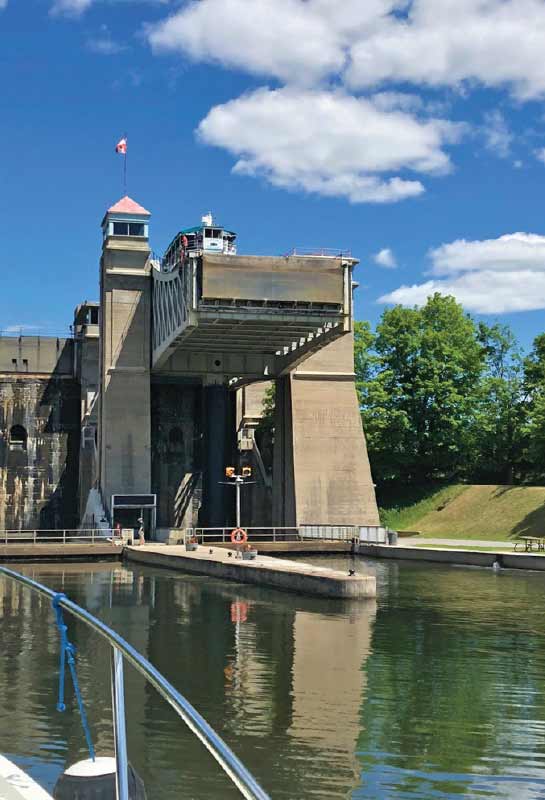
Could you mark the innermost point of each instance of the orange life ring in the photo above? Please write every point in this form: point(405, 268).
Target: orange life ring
point(239, 611)
point(239, 536)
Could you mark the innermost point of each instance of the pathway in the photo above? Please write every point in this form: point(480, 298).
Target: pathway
point(411, 541)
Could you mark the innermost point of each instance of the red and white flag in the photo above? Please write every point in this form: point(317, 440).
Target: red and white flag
point(121, 147)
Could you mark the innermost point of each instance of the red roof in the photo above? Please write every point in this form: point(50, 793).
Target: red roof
point(127, 206)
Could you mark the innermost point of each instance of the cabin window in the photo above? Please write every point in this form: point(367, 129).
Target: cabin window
point(17, 438)
point(128, 229)
point(212, 233)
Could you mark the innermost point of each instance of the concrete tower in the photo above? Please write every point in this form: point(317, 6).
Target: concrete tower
point(125, 335)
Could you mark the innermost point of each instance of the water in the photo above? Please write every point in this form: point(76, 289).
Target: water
point(434, 691)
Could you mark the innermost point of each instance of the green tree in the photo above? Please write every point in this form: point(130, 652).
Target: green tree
point(534, 382)
point(418, 390)
point(498, 428)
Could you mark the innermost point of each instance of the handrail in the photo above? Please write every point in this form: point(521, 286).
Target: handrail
point(231, 765)
point(66, 536)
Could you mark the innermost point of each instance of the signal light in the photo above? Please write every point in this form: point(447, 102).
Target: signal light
point(246, 472)
point(229, 472)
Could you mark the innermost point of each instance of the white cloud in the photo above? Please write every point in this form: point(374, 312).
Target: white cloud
point(492, 276)
point(513, 251)
point(497, 135)
point(385, 258)
point(540, 154)
point(485, 292)
point(329, 143)
point(287, 41)
point(104, 44)
point(298, 41)
point(495, 43)
point(371, 45)
point(3, 3)
point(70, 7)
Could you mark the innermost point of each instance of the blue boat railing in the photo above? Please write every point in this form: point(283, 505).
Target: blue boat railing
point(121, 649)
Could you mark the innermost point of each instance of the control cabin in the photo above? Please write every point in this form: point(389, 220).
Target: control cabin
point(206, 237)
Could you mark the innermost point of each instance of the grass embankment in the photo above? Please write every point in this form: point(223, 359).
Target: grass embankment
point(499, 513)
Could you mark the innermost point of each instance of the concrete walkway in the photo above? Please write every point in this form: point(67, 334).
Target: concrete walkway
point(58, 552)
point(293, 576)
point(416, 541)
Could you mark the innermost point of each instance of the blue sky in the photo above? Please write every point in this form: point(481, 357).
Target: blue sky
point(411, 132)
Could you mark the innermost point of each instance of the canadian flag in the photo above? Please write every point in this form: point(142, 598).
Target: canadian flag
point(121, 147)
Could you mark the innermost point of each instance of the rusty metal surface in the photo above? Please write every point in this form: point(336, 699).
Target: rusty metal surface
point(275, 279)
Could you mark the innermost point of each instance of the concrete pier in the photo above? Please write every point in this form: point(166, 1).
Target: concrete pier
point(457, 556)
point(58, 552)
point(292, 576)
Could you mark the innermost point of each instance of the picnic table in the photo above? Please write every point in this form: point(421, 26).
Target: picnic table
point(528, 543)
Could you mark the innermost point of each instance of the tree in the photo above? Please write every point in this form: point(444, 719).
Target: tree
point(499, 422)
point(419, 391)
point(534, 382)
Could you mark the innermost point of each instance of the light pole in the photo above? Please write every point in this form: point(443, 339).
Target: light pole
point(238, 481)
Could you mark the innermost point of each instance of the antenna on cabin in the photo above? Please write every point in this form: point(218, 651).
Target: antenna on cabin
point(207, 219)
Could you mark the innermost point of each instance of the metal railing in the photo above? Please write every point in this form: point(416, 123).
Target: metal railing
point(38, 332)
point(328, 252)
point(228, 761)
point(278, 534)
point(67, 536)
point(335, 533)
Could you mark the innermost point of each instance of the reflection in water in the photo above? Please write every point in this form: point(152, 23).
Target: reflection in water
point(436, 691)
point(455, 694)
point(279, 677)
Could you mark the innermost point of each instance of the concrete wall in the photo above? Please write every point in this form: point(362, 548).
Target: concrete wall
point(38, 484)
point(36, 354)
point(322, 471)
point(87, 372)
point(176, 457)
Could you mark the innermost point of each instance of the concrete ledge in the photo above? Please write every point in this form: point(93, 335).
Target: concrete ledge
point(472, 558)
point(58, 552)
point(289, 576)
point(308, 547)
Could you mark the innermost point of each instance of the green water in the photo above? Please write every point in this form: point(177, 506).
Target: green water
point(437, 690)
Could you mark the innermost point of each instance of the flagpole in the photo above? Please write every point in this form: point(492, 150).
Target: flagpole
point(125, 167)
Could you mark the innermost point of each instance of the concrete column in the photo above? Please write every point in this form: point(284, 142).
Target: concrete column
point(125, 413)
point(284, 511)
point(216, 426)
point(322, 472)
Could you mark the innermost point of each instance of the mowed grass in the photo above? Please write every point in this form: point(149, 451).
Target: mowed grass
point(407, 511)
point(499, 513)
